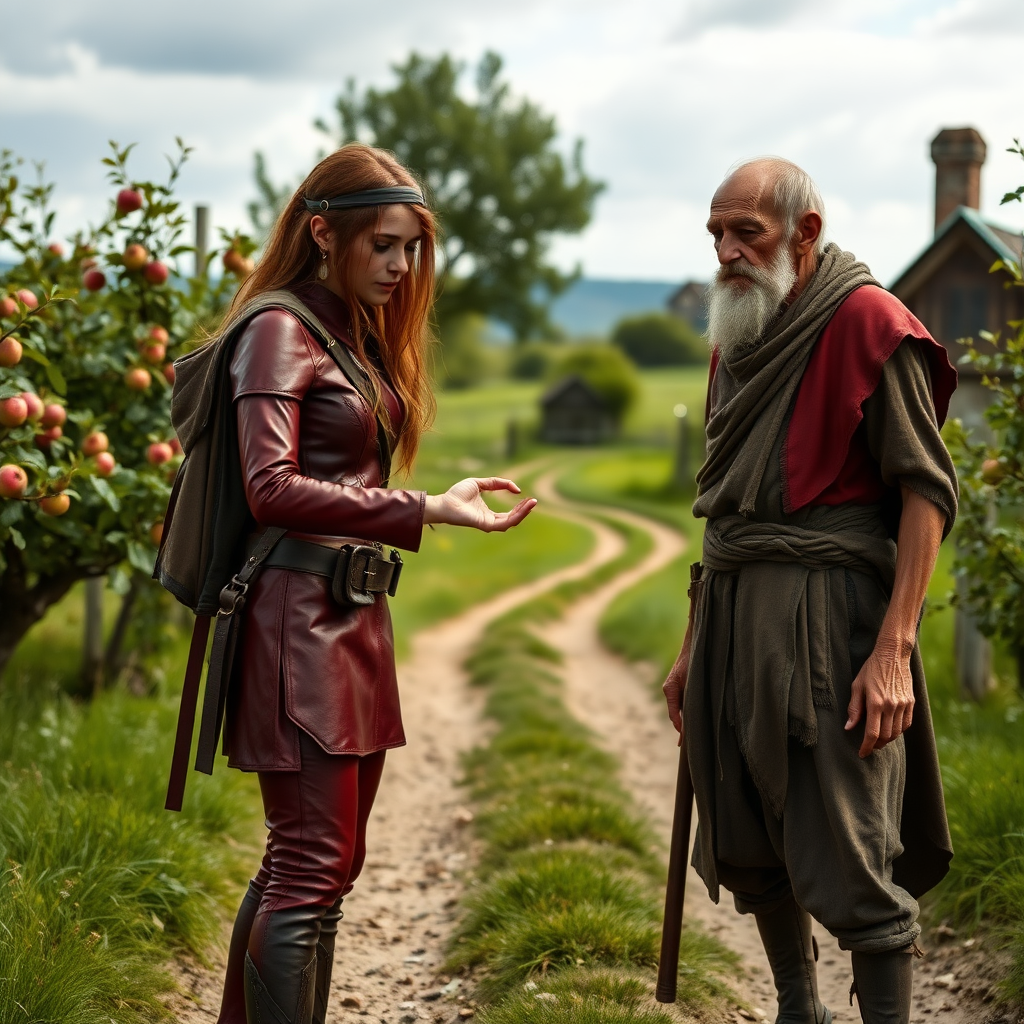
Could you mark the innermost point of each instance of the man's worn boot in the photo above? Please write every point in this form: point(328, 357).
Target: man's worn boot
point(786, 934)
point(883, 983)
point(325, 962)
point(262, 1008)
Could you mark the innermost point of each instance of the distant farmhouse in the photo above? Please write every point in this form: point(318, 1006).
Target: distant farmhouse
point(689, 303)
point(948, 286)
point(572, 412)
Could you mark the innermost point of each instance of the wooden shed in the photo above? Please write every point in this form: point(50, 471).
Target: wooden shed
point(572, 412)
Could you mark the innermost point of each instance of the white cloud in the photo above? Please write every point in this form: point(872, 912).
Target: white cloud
point(853, 90)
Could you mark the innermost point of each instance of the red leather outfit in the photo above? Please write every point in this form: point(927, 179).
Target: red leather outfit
point(314, 701)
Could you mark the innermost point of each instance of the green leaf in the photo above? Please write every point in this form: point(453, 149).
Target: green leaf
point(19, 540)
point(56, 379)
point(106, 492)
point(141, 558)
point(13, 512)
point(36, 357)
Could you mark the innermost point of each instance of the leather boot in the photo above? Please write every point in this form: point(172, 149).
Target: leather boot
point(786, 935)
point(883, 983)
point(232, 1007)
point(325, 962)
point(281, 965)
point(262, 1008)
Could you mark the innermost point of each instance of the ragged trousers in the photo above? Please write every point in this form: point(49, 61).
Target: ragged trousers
point(834, 845)
point(316, 847)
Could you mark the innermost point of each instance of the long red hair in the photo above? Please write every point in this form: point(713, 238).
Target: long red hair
point(401, 327)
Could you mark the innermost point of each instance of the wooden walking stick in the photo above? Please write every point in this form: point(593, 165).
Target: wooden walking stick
point(682, 817)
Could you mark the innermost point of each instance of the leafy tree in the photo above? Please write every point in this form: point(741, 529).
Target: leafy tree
point(990, 525)
point(499, 186)
point(658, 339)
point(87, 332)
point(608, 370)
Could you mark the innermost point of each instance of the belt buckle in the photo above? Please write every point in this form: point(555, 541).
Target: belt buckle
point(356, 576)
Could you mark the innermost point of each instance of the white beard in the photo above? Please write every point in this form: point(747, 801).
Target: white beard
point(737, 321)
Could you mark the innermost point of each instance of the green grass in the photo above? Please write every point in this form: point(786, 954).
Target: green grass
point(563, 921)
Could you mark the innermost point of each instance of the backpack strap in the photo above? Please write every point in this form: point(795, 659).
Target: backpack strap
point(222, 655)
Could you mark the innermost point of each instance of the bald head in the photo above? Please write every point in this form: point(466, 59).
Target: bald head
point(767, 223)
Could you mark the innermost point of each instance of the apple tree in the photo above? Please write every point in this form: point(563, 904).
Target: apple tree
point(990, 525)
point(88, 329)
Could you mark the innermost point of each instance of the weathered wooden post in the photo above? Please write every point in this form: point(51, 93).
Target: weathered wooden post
point(511, 439)
point(92, 639)
point(202, 240)
point(683, 476)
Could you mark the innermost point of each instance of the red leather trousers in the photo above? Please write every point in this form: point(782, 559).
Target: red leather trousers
point(317, 844)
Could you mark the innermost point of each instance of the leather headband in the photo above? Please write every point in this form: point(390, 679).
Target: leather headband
point(368, 197)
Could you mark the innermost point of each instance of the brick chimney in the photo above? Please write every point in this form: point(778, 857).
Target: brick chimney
point(958, 154)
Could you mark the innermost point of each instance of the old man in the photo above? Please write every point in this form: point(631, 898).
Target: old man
point(827, 491)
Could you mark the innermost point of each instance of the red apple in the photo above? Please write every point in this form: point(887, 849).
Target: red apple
point(156, 532)
point(175, 445)
point(27, 298)
point(993, 471)
point(95, 443)
point(13, 481)
point(105, 464)
point(10, 352)
point(128, 201)
point(233, 261)
point(47, 437)
point(94, 280)
point(138, 378)
point(8, 307)
point(159, 453)
point(169, 373)
point(54, 416)
point(155, 272)
point(34, 403)
point(13, 411)
point(55, 248)
point(55, 504)
point(134, 257)
point(158, 334)
point(154, 353)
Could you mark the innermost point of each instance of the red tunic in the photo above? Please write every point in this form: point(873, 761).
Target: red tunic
point(309, 456)
point(826, 459)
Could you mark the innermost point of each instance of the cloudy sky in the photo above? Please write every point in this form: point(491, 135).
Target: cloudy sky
point(666, 95)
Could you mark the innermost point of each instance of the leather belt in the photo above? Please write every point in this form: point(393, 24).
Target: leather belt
point(357, 571)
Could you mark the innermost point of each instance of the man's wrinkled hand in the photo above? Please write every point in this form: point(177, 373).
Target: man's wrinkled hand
point(674, 685)
point(883, 693)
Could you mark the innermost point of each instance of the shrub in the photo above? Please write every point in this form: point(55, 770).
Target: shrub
point(658, 339)
point(608, 370)
point(531, 361)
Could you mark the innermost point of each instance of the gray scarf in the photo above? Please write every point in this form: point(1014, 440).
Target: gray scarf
point(743, 428)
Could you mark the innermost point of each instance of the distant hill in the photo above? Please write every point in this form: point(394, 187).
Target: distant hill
point(594, 305)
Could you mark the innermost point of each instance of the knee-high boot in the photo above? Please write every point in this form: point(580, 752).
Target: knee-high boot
point(325, 962)
point(232, 1007)
point(786, 935)
point(884, 983)
point(280, 966)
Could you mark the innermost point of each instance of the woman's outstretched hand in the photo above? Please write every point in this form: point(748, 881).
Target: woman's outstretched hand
point(463, 505)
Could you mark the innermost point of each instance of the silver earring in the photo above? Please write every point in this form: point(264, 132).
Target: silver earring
point(322, 271)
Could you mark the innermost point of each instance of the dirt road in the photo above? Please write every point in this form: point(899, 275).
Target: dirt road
point(391, 943)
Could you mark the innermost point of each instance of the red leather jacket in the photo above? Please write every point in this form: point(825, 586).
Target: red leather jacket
point(309, 456)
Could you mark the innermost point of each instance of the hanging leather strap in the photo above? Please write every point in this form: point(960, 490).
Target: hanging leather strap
point(187, 713)
point(222, 653)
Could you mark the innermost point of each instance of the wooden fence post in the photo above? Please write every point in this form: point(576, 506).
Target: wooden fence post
point(202, 240)
point(92, 640)
point(683, 476)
